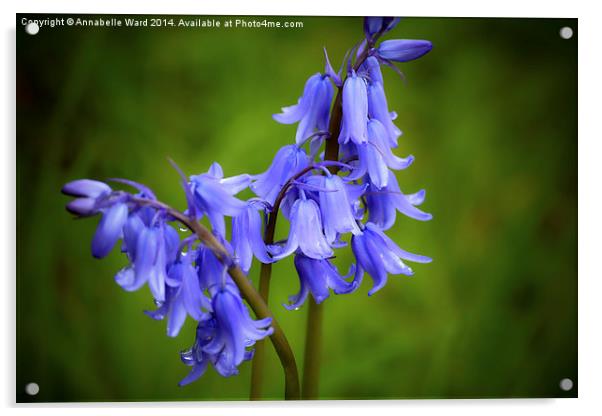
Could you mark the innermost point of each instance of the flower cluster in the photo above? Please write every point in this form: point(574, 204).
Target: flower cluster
point(325, 201)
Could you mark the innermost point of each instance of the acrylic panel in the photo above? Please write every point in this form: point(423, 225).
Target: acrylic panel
point(410, 201)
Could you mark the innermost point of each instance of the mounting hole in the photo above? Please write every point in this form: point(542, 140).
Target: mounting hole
point(32, 28)
point(566, 384)
point(32, 389)
point(566, 32)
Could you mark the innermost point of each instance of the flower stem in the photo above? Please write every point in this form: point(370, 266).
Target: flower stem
point(313, 342)
point(253, 298)
point(265, 276)
point(258, 363)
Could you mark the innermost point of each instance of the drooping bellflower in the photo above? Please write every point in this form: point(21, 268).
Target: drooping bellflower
point(312, 109)
point(305, 231)
point(384, 203)
point(289, 160)
point(318, 277)
point(214, 195)
point(378, 255)
point(355, 110)
point(247, 236)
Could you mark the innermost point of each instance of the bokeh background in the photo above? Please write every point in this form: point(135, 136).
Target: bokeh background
point(490, 114)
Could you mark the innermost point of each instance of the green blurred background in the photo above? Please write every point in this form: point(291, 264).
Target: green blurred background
point(490, 114)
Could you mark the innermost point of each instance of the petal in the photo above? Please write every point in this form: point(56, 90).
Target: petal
point(86, 188)
point(109, 230)
point(378, 110)
point(402, 202)
point(240, 242)
point(294, 113)
point(374, 164)
point(176, 317)
point(235, 184)
point(216, 170)
point(82, 207)
point(197, 371)
point(128, 280)
point(417, 198)
point(255, 238)
point(369, 261)
point(398, 251)
point(355, 110)
point(308, 228)
point(403, 50)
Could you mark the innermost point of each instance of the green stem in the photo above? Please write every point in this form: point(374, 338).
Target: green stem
point(311, 364)
point(258, 363)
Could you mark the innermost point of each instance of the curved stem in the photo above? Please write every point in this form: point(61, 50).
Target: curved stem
point(265, 275)
point(253, 298)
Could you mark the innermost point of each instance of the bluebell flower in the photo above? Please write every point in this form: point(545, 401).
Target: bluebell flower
point(384, 203)
point(183, 296)
point(195, 357)
point(374, 25)
point(93, 197)
point(355, 110)
point(375, 156)
point(377, 101)
point(403, 50)
point(247, 236)
point(235, 330)
point(109, 229)
point(335, 206)
point(378, 255)
point(305, 231)
point(318, 277)
point(214, 195)
point(288, 161)
point(88, 193)
point(156, 248)
point(312, 109)
point(213, 274)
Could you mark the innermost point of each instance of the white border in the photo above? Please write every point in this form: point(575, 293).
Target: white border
point(590, 200)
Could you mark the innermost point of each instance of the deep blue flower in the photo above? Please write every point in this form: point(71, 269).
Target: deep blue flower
point(247, 236)
point(335, 206)
point(214, 195)
point(88, 193)
point(403, 50)
point(93, 197)
point(355, 110)
point(235, 330)
point(288, 161)
point(213, 273)
point(374, 25)
point(384, 203)
point(312, 109)
point(318, 277)
point(305, 231)
point(156, 248)
point(195, 357)
point(109, 229)
point(183, 296)
point(375, 156)
point(378, 255)
point(377, 101)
